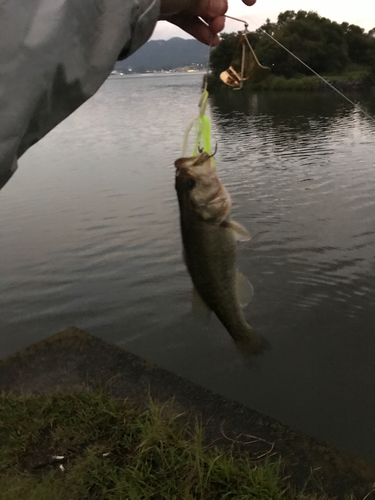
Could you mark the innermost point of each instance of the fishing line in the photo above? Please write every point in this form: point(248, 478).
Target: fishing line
point(308, 67)
point(201, 123)
point(208, 57)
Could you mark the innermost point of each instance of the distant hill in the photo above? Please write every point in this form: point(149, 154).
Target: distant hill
point(158, 55)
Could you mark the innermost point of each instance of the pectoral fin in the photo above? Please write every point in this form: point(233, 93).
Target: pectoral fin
point(244, 289)
point(240, 232)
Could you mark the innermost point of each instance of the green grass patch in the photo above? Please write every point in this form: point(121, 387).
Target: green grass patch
point(350, 76)
point(90, 446)
point(292, 84)
point(273, 82)
point(299, 82)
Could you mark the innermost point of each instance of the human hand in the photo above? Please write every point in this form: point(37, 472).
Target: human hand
point(186, 15)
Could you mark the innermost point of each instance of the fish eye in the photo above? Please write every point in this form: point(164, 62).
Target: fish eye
point(190, 183)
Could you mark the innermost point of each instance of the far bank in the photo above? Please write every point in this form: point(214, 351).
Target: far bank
point(304, 83)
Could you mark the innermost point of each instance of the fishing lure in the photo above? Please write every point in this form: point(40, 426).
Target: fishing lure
point(245, 65)
point(201, 126)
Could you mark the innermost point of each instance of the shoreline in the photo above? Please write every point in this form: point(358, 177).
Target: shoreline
point(307, 83)
point(73, 360)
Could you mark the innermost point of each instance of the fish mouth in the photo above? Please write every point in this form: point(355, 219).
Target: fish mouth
point(183, 167)
point(183, 171)
point(184, 164)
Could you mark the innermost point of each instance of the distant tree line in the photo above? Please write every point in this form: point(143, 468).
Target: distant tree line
point(326, 46)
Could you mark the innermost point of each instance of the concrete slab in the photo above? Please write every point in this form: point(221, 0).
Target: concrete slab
point(73, 360)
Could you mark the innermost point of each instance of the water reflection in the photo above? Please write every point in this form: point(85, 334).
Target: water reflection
point(281, 106)
point(301, 168)
point(288, 117)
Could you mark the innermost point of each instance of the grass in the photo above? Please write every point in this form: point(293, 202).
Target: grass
point(90, 446)
point(351, 76)
point(280, 83)
point(272, 82)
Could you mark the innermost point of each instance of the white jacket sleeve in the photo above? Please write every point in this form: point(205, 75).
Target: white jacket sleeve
point(54, 55)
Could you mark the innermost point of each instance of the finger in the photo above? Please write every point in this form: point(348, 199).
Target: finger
point(197, 28)
point(211, 8)
point(249, 2)
point(216, 24)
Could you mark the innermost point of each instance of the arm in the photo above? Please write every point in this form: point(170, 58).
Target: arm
point(54, 55)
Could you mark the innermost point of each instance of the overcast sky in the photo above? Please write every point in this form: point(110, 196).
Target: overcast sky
point(359, 12)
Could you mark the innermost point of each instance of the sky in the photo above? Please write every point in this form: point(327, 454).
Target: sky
point(359, 12)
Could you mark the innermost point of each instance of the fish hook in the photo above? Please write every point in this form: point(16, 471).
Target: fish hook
point(215, 151)
point(201, 149)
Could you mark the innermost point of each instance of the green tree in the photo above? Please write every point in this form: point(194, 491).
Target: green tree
point(324, 45)
point(222, 55)
point(359, 43)
point(371, 73)
point(316, 40)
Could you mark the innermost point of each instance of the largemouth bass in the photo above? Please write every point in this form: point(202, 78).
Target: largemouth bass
point(209, 240)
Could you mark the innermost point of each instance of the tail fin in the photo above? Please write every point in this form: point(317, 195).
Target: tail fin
point(249, 341)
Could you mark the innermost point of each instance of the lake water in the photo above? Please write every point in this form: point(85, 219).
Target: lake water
point(90, 237)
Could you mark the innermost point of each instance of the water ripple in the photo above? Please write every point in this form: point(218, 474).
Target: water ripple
point(92, 238)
